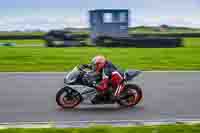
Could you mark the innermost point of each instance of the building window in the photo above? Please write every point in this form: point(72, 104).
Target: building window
point(107, 17)
point(122, 17)
point(94, 18)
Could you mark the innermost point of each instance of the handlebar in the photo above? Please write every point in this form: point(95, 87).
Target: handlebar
point(84, 66)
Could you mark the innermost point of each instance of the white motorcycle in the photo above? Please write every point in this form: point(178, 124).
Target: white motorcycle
point(79, 86)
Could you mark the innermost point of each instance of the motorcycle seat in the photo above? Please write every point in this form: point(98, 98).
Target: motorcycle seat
point(130, 74)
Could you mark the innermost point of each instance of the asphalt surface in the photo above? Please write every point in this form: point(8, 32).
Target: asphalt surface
point(30, 97)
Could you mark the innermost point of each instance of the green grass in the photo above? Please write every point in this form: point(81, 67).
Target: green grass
point(21, 33)
point(108, 129)
point(62, 59)
point(191, 42)
point(24, 42)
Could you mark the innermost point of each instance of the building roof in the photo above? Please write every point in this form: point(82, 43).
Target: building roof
point(109, 10)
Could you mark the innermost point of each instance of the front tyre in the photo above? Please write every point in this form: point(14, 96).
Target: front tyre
point(131, 96)
point(68, 98)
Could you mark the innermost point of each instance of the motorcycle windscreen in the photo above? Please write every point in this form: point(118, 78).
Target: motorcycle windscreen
point(72, 76)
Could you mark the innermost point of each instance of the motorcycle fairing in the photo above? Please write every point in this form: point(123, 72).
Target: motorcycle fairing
point(85, 91)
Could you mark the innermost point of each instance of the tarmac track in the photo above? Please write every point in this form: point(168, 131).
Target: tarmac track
point(30, 97)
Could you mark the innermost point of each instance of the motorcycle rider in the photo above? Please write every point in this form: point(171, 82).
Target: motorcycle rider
point(110, 75)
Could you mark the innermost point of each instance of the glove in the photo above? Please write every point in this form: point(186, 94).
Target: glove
point(103, 85)
point(94, 84)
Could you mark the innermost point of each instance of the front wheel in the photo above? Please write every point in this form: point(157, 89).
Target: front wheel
point(68, 98)
point(131, 95)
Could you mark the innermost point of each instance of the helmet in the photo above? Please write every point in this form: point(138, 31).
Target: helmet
point(98, 63)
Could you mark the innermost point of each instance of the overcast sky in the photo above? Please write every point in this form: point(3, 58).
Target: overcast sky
point(49, 14)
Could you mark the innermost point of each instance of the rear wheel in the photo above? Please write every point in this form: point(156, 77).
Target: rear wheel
point(131, 96)
point(68, 98)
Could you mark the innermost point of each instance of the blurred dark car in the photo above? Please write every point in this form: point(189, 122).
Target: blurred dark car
point(58, 38)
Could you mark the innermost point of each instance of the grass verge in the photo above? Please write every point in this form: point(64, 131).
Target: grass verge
point(35, 59)
point(191, 42)
point(108, 129)
point(21, 33)
point(24, 42)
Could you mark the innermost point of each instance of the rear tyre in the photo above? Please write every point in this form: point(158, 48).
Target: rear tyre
point(131, 96)
point(68, 98)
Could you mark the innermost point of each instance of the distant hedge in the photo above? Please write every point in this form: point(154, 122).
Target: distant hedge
point(147, 42)
point(165, 34)
point(86, 35)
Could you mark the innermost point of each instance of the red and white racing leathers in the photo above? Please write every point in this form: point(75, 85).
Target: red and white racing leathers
point(110, 73)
